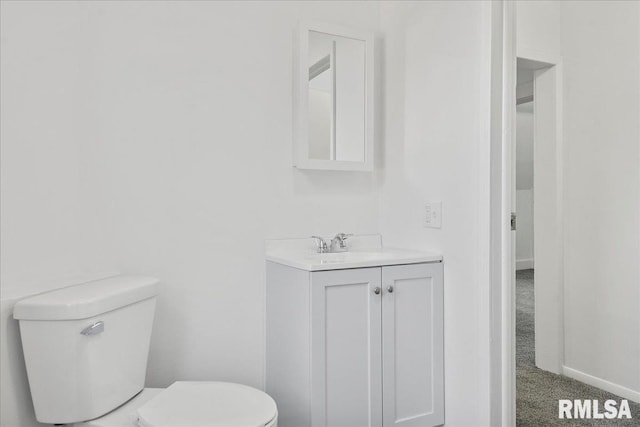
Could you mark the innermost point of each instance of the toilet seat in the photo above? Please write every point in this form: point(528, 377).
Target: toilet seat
point(208, 404)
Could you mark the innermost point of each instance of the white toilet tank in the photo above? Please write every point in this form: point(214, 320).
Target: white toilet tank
point(86, 346)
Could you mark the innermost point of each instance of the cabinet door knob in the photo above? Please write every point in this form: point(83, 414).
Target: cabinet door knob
point(390, 289)
point(376, 290)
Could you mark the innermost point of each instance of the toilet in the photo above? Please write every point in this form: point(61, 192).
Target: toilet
point(86, 348)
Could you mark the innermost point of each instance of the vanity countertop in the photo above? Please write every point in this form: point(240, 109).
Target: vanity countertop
point(364, 251)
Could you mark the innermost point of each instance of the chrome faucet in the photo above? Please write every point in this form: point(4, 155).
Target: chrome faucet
point(322, 245)
point(339, 242)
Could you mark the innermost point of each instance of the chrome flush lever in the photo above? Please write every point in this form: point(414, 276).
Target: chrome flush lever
point(95, 329)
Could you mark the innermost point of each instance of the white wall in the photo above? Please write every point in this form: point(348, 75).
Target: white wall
point(51, 216)
point(601, 55)
point(436, 103)
point(524, 146)
point(524, 185)
point(155, 138)
point(524, 230)
point(208, 123)
point(538, 27)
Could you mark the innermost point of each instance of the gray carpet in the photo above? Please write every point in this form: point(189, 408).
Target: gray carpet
point(537, 391)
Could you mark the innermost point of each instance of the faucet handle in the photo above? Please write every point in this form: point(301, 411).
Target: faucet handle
point(338, 243)
point(322, 245)
point(341, 237)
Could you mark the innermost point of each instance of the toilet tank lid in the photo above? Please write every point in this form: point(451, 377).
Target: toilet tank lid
point(87, 299)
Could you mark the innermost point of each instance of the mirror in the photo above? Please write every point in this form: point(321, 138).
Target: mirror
point(336, 66)
point(333, 99)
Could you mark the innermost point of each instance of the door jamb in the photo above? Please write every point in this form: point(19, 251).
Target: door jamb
point(506, 330)
point(548, 210)
point(503, 372)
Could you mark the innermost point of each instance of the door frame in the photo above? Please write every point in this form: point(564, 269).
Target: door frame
point(547, 208)
point(502, 248)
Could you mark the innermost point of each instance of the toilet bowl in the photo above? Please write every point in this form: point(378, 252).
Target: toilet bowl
point(193, 404)
point(95, 377)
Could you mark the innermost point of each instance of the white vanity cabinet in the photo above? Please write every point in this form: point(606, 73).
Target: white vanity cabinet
point(356, 347)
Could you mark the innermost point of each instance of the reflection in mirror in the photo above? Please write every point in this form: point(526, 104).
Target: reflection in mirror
point(336, 97)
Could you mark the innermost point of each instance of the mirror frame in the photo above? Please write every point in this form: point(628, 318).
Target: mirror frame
point(301, 99)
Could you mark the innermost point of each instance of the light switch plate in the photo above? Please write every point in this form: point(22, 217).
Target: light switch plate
point(432, 214)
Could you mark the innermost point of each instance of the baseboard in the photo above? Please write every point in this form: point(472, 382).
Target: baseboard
point(605, 385)
point(524, 264)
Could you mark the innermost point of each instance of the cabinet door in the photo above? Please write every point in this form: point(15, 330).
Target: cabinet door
point(346, 383)
point(412, 345)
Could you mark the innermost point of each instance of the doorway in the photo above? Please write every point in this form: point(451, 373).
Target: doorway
point(538, 264)
point(538, 192)
point(524, 233)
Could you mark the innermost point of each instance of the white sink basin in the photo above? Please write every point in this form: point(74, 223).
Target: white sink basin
point(301, 254)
